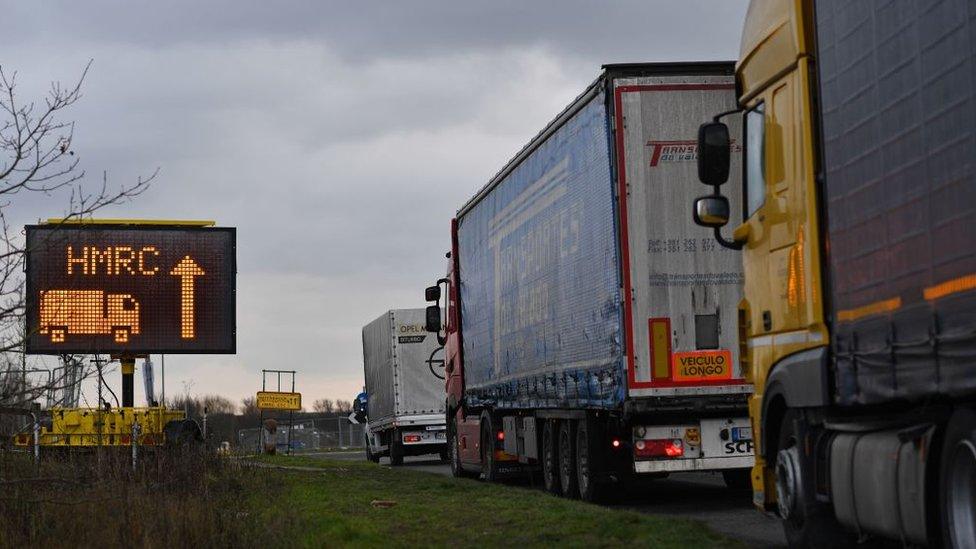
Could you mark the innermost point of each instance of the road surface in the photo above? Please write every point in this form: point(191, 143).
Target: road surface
point(700, 496)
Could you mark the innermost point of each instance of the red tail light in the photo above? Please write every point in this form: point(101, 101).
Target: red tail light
point(500, 435)
point(411, 438)
point(615, 443)
point(659, 448)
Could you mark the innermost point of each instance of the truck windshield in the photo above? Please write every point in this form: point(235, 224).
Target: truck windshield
point(755, 187)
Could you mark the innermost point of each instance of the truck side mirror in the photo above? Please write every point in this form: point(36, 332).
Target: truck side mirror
point(433, 318)
point(432, 294)
point(714, 148)
point(711, 211)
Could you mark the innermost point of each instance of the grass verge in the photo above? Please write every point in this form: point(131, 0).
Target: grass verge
point(197, 499)
point(335, 505)
point(171, 499)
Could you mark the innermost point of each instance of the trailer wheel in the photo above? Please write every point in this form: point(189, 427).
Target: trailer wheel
point(550, 456)
point(590, 486)
point(567, 459)
point(396, 449)
point(182, 433)
point(805, 523)
point(958, 481)
point(489, 472)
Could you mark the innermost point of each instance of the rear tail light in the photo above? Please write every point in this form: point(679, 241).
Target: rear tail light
point(500, 435)
point(615, 443)
point(659, 448)
point(411, 438)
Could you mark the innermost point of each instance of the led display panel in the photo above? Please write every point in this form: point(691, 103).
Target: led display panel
point(130, 289)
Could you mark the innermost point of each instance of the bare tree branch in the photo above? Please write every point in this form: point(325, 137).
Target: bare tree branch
point(36, 157)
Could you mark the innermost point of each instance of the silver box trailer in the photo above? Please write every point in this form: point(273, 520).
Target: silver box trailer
point(405, 405)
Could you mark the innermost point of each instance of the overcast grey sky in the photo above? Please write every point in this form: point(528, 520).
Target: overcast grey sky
point(338, 137)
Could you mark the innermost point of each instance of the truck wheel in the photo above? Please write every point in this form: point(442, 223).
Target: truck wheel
point(396, 449)
point(489, 472)
point(454, 451)
point(739, 480)
point(369, 452)
point(590, 487)
point(958, 481)
point(550, 457)
point(806, 524)
point(567, 459)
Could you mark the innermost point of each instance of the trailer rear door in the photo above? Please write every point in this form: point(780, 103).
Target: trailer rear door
point(681, 287)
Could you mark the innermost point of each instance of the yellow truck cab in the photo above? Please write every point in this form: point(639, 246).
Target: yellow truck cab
point(858, 321)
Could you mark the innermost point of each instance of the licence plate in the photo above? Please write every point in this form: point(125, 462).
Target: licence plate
point(728, 437)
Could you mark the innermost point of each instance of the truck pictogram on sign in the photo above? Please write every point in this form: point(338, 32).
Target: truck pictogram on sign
point(66, 312)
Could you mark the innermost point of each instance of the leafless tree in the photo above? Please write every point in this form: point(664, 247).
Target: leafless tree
point(323, 405)
point(249, 407)
point(216, 404)
point(37, 159)
point(343, 406)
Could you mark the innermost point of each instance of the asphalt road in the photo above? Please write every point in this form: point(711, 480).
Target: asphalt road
point(700, 496)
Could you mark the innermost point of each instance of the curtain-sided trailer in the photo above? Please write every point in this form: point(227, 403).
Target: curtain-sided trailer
point(590, 326)
point(405, 409)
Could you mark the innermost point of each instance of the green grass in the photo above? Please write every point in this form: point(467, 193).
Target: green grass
point(334, 505)
point(198, 499)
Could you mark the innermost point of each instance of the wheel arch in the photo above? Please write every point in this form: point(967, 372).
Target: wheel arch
point(798, 380)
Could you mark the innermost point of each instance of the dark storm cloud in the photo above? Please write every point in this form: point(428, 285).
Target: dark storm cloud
point(339, 138)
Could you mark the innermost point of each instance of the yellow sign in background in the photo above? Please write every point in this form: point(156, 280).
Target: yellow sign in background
point(702, 366)
point(269, 400)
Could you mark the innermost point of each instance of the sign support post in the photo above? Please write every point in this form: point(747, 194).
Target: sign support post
point(278, 400)
point(128, 378)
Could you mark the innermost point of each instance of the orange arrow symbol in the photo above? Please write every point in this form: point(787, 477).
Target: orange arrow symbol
point(186, 269)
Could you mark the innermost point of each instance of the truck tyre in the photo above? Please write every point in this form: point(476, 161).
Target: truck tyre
point(550, 457)
point(806, 524)
point(567, 459)
point(739, 480)
point(587, 459)
point(957, 480)
point(489, 472)
point(396, 449)
point(454, 450)
point(369, 452)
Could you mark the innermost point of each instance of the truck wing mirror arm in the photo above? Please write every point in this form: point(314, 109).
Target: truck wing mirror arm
point(713, 211)
point(730, 244)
